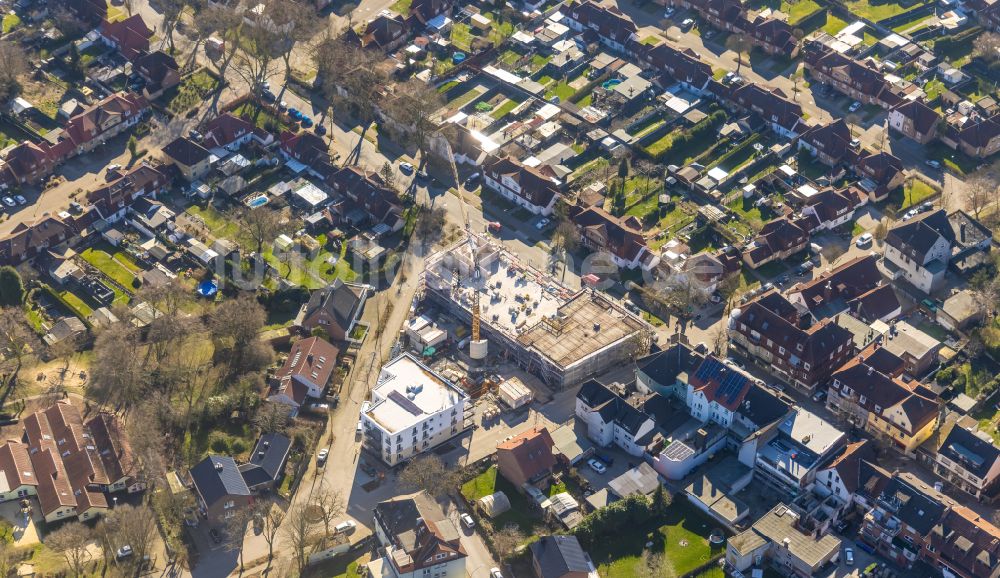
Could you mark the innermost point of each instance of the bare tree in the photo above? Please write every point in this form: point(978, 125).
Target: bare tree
point(298, 530)
point(271, 417)
point(269, 516)
point(298, 22)
point(119, 374)
point(172, 324)
point(146, 434)
point(237, 322)
point(429, 473)
point(226, 20)
point(258, 228)
point(261, 44)
point(71, 541)
point(506, 541)
point(739, 43)
point(172, 10)
point(330, 505)
point(653, 565)
point(412, 105)
point(17, 341)
point(12, 66)
point(352, 76)
point(429, 225)
point(136, 527)
point(236, 529)
point(987, 46)
point(980, 190)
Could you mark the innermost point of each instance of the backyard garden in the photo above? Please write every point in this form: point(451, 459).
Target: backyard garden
point(192, 91)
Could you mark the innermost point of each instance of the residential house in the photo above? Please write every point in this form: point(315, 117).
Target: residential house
point(918, 250)
point(620, 238)
point(778, 239)
point(782, 115)
point(365, 200)
point(90, 12)
point(902, 415)
point(129, 36)
point(666, 372)
point(675, 65)
point(858, 80)
point(267, 462)
point(149, 217)
point(423, 12)
point(527, 457)
point(535, 189)
point(227, 131)
point(15, 466)
point(723, 14)
point(560, 557)
point(915, 120)
point(99, 123)
point(918, 349)
point(959, 311)
point(419, 540)
point(967, 460)
point(830, 143)
point(900, 519)
point(973, 134)
point(304, 149)
point(75, 462)
point(413, 410)
point(29, 240)
point(335, 309)
point(715, 391)
point(880, 173)
point(963, 544)
point(611, 420)
point(840, 478)
point(305, 373)
point(386, 32)
point(27, 163)
point(832, 208)
point(795, 346)
point(191, 159)
point(788, 455)
point(852, 287)
point(220, 489)
point(779, 538)
point(773, 36)
point(159, 70)
point(613, 28)
point(113, 199)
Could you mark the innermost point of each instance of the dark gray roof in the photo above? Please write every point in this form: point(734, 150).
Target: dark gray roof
point(217, 477)
point(267, 460)
point(917, 236)
point(974, 454)
point(911, 506)
point(663, 367)
point(762, 407)
point(559, 555)
point(594, 393)
point(611, 406)
point(186, 151)
point(338, 299)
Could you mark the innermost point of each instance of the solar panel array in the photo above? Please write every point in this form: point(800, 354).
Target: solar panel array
point(731, 382)
point(404, 402)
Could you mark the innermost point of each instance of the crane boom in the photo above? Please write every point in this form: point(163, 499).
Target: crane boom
point(472, 244)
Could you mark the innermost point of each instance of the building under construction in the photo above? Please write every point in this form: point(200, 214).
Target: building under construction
point(561, 336)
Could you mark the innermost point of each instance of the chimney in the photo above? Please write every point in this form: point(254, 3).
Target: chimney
point(828, 290)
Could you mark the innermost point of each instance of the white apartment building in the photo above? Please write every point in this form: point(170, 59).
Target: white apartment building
point(413, 409)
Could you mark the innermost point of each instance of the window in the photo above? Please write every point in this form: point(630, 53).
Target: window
point(862, 399)
point(798, 346)
point(805, 366)
point(781, 350)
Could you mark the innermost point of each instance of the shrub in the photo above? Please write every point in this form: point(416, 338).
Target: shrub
point(631, 511)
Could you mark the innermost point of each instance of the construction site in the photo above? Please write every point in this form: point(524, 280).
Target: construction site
point(525, 316)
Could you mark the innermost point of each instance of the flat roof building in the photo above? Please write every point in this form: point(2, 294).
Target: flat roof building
point(560, 335)
point(413, 410)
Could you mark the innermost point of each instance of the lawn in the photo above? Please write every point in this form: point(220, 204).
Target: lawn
point(875, 11)
point(662, 144)
point(562, 89)
point(118, 267)
point(460, 101)
point(682, 536)
point(191, 92)
point(914, 193)
point(401, 7)
point(80, 308)
point(956, 161)
point(461, 36)
point(313, 273)
point(521, 513)
point(798, 10)
point(911, 22)
point(502, 110)
point(934, 88)
point(218, 224)
point(833, 24)
point(10, 21)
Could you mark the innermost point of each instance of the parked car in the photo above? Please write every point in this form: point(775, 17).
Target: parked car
point(307, 122)
point(20, 200)
point(849, 556)
point(216, 536)
point(268, 96)
point(192, 134)
point(688, 24)
point(495, 573)
point(9, 202)
point(933, 163)
point(854, 107)
point(910, 214)
point(321, 456)
point(282, 106)
point(114, 168)
point(819, 396)
point(123, 552)
point(669, 12)
point(544, 222)
point(320, 130)
point(467, 521)
point(597, 466)
point(345, 526)
point(864, 240)
point(407, 168)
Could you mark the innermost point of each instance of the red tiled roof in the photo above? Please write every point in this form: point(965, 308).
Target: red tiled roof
point(130, 35)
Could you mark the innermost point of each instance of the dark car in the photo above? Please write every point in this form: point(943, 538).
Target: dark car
point(216, 536)
point(320, 130)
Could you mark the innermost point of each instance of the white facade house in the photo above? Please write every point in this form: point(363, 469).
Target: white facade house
point(919, 250)
point(610, 420)
point(413, 410)
point(525, 186)
point(419, 540)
